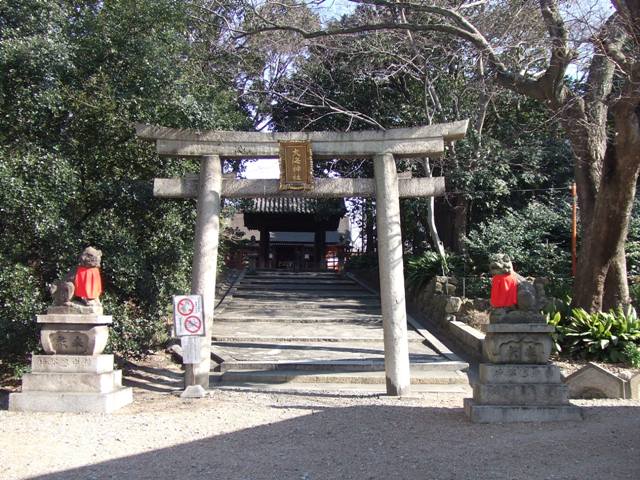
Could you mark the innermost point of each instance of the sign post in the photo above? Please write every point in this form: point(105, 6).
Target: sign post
point(189, 325)
point(188, 316)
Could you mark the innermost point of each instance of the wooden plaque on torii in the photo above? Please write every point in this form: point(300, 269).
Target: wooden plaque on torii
point(296, 167)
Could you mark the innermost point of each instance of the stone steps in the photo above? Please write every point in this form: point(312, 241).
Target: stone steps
point(303, 332)
point(309, 295)
point(295, 281)
point(325, 291)
point(356, 319)
point(338, 389)
point(286, 274)
point(320, 290)
point(341, 304)
point(314, 330)
point(243, 338)
point(324, 377)
point(307, 352)
point(339, 365)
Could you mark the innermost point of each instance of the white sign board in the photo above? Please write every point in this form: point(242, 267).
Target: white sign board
point(188, 315)
point(191, 347)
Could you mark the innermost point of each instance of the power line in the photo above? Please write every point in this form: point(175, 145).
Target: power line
point(510, 190)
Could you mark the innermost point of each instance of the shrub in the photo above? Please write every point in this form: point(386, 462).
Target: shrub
point(20, 301)
point(134, 331)
point(536, 238)
point(364, 262)
point(634, 291)
point(631, 354)
point(632, 247)
point(476, 287)
point(599, 335)
point(557, 313)
point(420, 269)
point(560, 288)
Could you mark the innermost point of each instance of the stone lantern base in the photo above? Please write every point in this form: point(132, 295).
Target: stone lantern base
point(75, 376)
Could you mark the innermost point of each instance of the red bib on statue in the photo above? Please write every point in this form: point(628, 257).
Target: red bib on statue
point(88, 283)
point(504, 290)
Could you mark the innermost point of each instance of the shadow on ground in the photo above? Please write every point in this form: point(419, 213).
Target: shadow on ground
point(4, 399)
point(394, 442)
point(153, 379)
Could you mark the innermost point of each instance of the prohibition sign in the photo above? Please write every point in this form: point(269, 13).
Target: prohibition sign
point(185, 306)
point(192, 324)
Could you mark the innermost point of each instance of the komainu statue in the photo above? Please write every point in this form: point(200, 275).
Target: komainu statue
point(513, 297)
point(82, 285)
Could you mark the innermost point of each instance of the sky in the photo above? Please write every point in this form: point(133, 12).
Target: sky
point(263, 169)
point(327, 9)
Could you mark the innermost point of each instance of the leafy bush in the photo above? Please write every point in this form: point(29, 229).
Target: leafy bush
point(557, 314)
point(634, 291)
point(476, 287)
point(536, 238)
point(362, 262)
point(134, 331)
point(20, 301)
point(422, 268)
point(632, 250)
point(631, 354)
point(72, 172)
point(632, 247)
point(560, 289)
point(599, 335)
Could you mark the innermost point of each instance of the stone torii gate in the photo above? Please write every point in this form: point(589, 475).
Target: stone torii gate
point(382, 146)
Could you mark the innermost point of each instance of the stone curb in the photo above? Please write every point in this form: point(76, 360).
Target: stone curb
point(471, 339)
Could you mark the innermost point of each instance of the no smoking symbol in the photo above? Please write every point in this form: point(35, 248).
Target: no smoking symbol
point(185, 306)
point(192, 324)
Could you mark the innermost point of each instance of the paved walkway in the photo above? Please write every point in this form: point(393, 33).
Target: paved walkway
point(310, 329)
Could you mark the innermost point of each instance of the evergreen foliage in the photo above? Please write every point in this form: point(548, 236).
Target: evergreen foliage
point(535, 237)
point(74, 76)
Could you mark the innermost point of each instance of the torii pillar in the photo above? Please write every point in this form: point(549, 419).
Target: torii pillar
point(390, 269)
point(205, 260)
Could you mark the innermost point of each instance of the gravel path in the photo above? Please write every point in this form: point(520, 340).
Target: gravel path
point(241, 435)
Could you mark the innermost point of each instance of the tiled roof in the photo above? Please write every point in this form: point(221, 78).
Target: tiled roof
point(295, 205)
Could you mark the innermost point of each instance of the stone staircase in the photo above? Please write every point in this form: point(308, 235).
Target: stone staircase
point(316, 331)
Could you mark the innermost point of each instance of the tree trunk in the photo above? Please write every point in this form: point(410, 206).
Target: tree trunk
point(601, 280)
point(369, 223)
point(431, 218)
point(616, 286)
point(460, 211)
point(603, 246)
point(589, 153)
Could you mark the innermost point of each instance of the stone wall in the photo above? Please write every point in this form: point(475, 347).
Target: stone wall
point(459, 317)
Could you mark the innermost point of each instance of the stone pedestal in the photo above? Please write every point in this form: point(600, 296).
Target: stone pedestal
point(75, 376)
point(517, 384)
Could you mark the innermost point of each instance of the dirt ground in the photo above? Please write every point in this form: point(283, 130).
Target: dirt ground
point(327, 435)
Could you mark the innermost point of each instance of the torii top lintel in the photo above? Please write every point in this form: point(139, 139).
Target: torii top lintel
point(425, 141)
